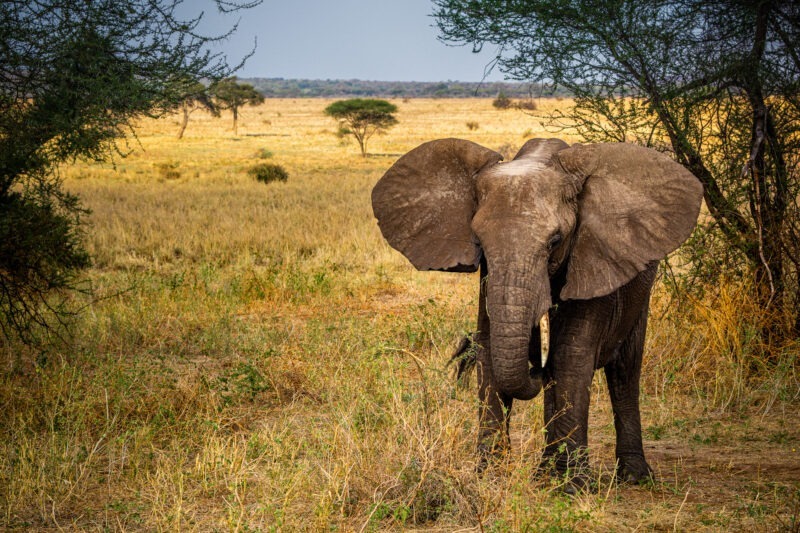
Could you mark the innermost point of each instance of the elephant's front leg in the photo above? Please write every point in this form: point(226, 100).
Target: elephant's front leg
point(566, 422)
point(568, 379)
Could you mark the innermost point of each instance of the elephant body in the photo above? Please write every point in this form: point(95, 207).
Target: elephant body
point(581, 342)
point(569, 234)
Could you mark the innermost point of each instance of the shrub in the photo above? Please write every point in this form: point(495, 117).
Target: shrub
point(268, 172)
point(526, 105)
point(169, 171)
point(502, 101)
point(264, 154)
point(472, 125)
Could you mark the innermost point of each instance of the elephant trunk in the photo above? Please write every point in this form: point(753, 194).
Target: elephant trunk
point(516, 301)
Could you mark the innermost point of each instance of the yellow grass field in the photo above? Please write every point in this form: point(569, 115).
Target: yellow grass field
point(256, 358)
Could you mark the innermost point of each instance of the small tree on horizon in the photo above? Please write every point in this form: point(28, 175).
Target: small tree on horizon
point(197, 97)
point(233, 95)
point(362, 118)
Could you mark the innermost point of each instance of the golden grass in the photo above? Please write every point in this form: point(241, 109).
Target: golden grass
point(258, 359)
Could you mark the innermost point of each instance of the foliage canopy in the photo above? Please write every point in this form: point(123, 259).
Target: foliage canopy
point(714, 82)
point(73, 77)
point(362, 118)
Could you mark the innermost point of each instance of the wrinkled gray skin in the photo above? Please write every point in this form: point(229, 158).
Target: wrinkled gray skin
point(575, 232)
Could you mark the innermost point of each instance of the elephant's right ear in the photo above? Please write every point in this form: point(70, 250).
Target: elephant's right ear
point(425, 203)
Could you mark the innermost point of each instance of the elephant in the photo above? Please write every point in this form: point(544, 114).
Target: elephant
point(567, 240)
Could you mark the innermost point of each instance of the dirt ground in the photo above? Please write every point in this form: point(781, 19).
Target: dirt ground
point(715, 472)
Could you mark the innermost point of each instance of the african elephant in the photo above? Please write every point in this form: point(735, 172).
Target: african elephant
point(566, 239)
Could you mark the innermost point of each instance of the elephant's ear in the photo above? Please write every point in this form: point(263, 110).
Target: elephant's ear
point(636, 206)
point(425, 203)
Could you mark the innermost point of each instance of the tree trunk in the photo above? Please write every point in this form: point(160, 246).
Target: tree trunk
point(184, 121)
point(769, 183)
point(362, 141)
point(767, 253)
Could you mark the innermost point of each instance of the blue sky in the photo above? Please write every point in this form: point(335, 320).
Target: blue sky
point(387, 40)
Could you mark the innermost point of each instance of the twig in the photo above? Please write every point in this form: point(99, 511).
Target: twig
point(675, 524)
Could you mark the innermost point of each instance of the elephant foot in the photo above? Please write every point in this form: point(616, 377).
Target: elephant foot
point(634, 469)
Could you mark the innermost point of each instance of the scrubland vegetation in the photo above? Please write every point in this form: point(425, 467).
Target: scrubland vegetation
point(256, 358)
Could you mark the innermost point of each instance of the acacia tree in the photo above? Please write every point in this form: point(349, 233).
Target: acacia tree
point(73, 77)
point(231, 94)
point(362, 118)
point(714, 82)
point(197, 96)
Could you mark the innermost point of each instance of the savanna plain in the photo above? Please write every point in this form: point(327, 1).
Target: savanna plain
point(254, 357)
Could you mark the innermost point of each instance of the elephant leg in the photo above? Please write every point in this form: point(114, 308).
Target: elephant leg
point(567, 437)
point(568, 379)
point(567, 418)
point(622, 376)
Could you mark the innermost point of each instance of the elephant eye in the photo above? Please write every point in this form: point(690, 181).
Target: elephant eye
point(554, 241)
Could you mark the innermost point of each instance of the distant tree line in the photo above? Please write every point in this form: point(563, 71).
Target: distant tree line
point(286, 88)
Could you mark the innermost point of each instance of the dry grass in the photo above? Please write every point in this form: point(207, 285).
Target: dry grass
point(262, 361)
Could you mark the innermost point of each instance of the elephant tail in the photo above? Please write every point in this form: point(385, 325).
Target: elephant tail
point(465, 358)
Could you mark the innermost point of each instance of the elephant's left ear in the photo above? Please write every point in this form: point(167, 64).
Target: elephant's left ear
point(636, 206)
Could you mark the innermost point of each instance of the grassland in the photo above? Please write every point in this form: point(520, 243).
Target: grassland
point(256, 358)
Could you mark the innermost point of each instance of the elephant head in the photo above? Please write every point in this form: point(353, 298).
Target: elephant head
point(593, 216)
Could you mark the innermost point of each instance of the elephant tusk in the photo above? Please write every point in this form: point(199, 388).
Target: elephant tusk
point(544, 332)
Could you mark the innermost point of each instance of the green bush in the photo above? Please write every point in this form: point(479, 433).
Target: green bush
point(502, 101)
point(268, 172)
